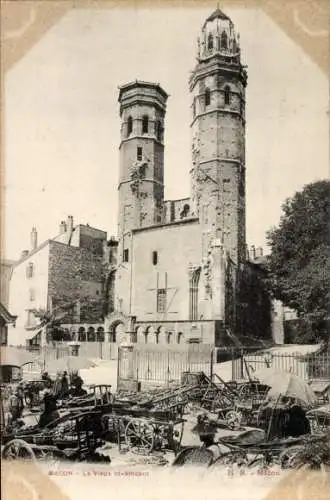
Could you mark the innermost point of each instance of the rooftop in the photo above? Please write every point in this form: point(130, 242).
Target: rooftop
point(141, 83)
point(217, 14)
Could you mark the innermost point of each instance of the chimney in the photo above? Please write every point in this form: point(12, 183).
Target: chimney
point(69, 224)
point(25, 253)
point(62, 227)
point(34, 239)
point(253, 252)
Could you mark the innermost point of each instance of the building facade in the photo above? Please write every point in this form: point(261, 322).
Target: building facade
point(6, 268)
point(180, 263)
point(63, 276)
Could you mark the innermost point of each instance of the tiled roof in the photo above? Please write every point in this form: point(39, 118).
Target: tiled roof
point(5, 315)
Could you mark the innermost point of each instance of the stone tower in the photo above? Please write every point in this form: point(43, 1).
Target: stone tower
point(141, 175)
point(217, 85)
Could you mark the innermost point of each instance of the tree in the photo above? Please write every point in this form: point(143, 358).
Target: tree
point(64, 311)
point(299, 264)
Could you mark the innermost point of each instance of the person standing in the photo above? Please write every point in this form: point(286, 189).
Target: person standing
point(64, 385)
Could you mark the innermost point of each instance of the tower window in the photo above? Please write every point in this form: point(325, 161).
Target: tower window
point(159, 130)
point(172, 211)
point(155, 258)
point(207, 97)
point(205, 214)
point(126, 255)
point(139, 153)
point(161, 300)
point(129, 126)
point(29, 270)
point(227, 95)
point(210, 42)
point(145, 124)
point(224, 40)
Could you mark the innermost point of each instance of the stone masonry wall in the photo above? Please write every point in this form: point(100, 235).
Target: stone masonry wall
point(76, 273)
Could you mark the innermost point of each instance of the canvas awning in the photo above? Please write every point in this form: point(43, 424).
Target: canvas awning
point(6, 316)
point(15, 356)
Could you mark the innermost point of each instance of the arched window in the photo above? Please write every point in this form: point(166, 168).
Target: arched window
point(227, 95)
point(155, 258)
point(100, 334)
point(157, 337)
point(185, 211)
point(145, 124)
point(146, 337)
point(169, 337)
point(140, 335)
point(134, 337)
point(224, 40)
point(158, 130)
point(129, 126)
point(81, 334)
point(207, 97)
point(210, 42)
point(179, 337)
point(91, 334)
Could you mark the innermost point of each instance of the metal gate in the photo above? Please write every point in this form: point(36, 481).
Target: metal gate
point(158, 365)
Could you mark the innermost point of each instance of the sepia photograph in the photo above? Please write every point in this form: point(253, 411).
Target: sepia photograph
point(165, 249)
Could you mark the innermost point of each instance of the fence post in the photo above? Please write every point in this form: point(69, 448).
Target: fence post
point(212, 361)
point(168, 370)
point(232, 364)
point(188, 358)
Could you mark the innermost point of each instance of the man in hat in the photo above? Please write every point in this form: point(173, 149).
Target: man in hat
point(64, 385)
point(50, 412)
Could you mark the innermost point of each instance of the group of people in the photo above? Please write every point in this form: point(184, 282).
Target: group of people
point(284, 418)
point(61, 388)
point(280, 419)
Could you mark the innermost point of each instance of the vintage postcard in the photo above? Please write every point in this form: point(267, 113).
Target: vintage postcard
point(165, 257)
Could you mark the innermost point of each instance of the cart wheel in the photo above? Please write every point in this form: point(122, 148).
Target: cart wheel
point(231, 458)
point(17, 449)
point(217, 402)
point(289, 458)
point(234, 419)
point(139, 436)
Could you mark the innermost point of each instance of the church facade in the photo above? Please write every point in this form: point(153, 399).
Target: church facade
point(178, 271)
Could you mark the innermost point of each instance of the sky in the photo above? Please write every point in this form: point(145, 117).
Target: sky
point(62, 117)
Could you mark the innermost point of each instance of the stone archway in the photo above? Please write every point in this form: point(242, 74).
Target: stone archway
point(161, 335)
point(91, 334)
point(179, 337)
point(117, 332)
point(100, 334)
point(149, 336)
point(81, 334)
point(140, 335)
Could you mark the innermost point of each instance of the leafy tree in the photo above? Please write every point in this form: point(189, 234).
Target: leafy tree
point(299, 264)
point(64, 310)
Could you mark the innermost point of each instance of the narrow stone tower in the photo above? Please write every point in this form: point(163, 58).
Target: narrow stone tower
point(141, 177)
point(217, 85)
